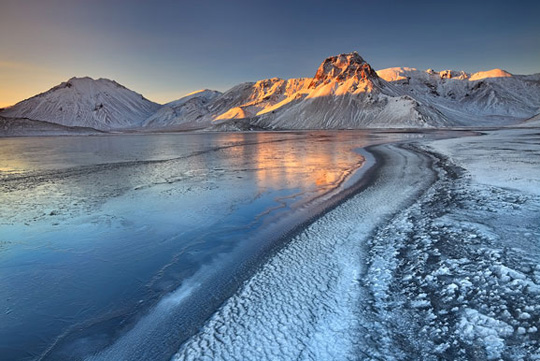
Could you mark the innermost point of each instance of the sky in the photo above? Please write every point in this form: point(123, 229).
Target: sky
point(165, 49)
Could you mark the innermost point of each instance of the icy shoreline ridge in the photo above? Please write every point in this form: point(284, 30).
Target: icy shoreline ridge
point(345, 93)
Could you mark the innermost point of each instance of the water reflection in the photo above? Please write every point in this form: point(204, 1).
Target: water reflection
point(73, 180)
point(106, 225)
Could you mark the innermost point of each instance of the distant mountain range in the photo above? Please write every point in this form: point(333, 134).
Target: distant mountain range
point(345, 93)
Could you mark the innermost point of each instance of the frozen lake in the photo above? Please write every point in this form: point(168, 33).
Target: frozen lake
point(105, 234)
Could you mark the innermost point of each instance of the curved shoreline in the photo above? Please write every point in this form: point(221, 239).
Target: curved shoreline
point(176, 317)
point(95, 334)
point(303, 302)
point(377, 274)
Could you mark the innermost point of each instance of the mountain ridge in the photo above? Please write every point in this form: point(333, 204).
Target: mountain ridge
point(344, 93)
point(484, 96)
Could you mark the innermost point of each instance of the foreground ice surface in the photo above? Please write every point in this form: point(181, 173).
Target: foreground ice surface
point(128, 243)
point(95, 230)
point(455, 274)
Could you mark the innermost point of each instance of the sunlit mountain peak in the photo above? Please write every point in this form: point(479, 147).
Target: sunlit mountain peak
point(341, 68)
point(493, 73)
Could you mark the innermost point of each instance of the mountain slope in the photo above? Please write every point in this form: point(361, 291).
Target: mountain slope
point(243, 101)
point(20, 127)
point(188, 111)
point(101, 104)
point(532, 122)
point(249, 100)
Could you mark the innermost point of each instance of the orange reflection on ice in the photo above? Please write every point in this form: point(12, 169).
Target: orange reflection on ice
point(306, 163)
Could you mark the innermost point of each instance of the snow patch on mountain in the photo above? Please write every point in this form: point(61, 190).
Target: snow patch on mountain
point(264, 96)
point(532, 122)
point(494, 73)
point(101, 104)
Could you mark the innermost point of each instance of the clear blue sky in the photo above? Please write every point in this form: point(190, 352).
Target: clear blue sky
point(165, 49)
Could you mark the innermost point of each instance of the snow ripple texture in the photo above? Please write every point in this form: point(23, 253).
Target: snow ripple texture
point(306, 302)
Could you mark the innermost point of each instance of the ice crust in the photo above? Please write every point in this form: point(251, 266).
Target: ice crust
point(99, 226)
point(439, 258)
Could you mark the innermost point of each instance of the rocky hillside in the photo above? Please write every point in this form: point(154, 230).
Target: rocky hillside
point(493, 97)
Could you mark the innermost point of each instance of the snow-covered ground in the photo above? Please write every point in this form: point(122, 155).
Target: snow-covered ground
point(439, 258)
point(308, 302)
point(457, 275)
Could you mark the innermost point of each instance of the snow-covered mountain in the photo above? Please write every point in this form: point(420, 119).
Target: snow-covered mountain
point(84, 102)
point(243, 102)
point(491, 97)
point(250, 100)
point(345, 93)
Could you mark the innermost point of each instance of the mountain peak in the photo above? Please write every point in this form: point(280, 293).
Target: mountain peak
point(86, 83)
point(341, 67)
